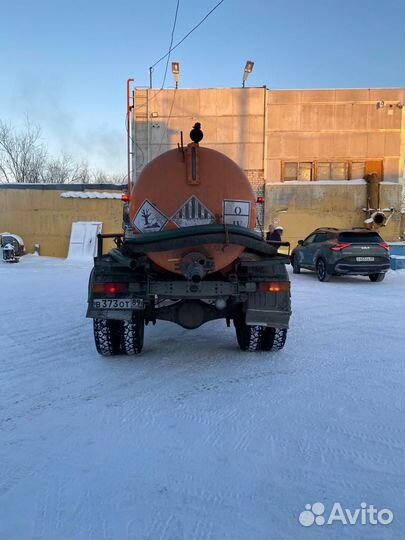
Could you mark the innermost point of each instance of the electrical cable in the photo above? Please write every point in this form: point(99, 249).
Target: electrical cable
point(171, 42)
point(186, 36)
point(177, 44)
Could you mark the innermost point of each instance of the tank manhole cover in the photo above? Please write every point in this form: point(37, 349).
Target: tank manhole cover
point(193, 212)
point(149, 218)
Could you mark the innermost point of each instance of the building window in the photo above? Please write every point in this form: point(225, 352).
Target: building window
point(323, 170)
point(334, 170)
point(294, 170)
point(358, 170)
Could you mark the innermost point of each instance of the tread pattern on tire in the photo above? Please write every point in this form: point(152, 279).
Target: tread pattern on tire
point(106, 336)
point(132, 333)
point(255, 338)
point(258, 338)
point(274, 339)
point(280, 336)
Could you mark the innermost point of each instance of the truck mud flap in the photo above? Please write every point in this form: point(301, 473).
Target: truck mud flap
point(275, 319)
point(270, 309)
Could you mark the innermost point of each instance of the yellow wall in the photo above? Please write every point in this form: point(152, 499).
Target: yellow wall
point(44, 217)
point(313, 205)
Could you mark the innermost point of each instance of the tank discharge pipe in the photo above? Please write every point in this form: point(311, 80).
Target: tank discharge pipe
point(195, 266)
point(123, 259)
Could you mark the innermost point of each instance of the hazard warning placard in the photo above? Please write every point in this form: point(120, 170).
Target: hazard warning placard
point(237, 213)
point(193, 212)
point(149, 218)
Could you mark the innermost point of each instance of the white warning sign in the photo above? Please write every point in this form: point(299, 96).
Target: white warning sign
point(237, 213)
point(149, 218)
point(193, 212)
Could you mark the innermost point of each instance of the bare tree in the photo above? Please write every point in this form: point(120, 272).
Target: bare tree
point(64, 170)
point(22, 154)
point(23, 159)
point(100, 177)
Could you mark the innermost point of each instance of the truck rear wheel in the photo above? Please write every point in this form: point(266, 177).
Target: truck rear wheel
point(132, 334)
point(273, 339)
point(106, 336)
point(249, 337)
point(257, 337)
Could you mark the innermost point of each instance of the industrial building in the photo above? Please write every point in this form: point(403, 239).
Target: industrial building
point(306, 151)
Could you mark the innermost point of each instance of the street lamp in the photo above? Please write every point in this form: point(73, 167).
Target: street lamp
point(247, 71)
point(176, 72)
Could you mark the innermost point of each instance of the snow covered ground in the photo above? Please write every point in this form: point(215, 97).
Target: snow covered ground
point(195, 439)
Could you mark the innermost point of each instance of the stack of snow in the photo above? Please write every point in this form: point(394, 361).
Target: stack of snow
point(90, 195)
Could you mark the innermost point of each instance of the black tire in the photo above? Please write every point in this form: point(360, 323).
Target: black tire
point(132, 334)
point(249, 337)
point(258, 338)
point(322, 271)
point(106, 336)
point(376, 277)
point(273, 339)
point(296, 266)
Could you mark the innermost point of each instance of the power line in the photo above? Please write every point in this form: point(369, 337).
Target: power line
point(186, 36)
point(171, 42)
point(175, 47)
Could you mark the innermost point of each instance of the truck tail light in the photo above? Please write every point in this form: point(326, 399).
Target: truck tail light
point(274, 286)
point(339, 247)
point(110, 288)
point(385, 246)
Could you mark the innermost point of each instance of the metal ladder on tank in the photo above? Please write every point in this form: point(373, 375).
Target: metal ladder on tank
point(140, 130)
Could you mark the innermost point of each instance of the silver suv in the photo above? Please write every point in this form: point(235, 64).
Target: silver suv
point(330, 252)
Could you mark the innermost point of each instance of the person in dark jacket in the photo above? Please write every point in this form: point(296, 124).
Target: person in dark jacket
point(273, 237)
point(274, 234)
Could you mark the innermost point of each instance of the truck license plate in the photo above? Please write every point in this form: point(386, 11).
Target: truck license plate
point(361, 259)
point(118, 303)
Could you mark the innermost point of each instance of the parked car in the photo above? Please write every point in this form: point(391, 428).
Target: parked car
point(335, 252)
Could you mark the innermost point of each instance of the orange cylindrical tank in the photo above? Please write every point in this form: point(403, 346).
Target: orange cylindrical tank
point(192, 186)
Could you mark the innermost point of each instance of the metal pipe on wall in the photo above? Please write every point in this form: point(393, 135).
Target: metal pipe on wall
point(129, 81)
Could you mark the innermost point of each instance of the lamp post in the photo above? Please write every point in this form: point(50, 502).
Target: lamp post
point(176, 72)
point(247, 71)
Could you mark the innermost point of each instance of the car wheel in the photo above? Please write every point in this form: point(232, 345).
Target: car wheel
point(377, 277)
point(322, 271)
point(296, 266)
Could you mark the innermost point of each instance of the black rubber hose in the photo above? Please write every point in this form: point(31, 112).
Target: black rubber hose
point(196, 236)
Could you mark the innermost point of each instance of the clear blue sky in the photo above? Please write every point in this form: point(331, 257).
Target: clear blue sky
point(65, 62)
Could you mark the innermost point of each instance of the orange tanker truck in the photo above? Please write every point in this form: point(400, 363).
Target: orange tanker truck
point(189, 254)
